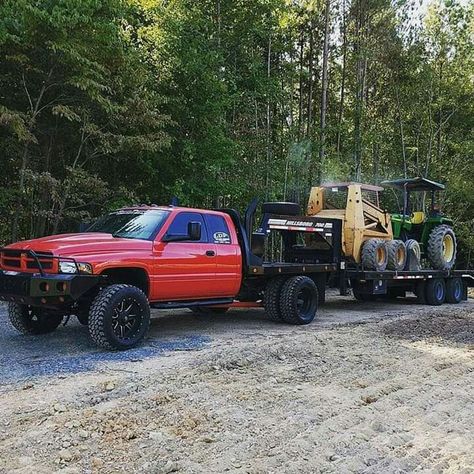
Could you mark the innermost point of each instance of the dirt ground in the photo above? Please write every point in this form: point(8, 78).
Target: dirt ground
point(366, 388)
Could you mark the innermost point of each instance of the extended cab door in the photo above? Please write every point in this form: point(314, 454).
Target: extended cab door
point(184, 270)
point(228, 254)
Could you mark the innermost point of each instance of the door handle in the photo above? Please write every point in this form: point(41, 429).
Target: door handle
point(210, 253)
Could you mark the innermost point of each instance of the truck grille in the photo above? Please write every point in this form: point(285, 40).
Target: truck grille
point(17, 260)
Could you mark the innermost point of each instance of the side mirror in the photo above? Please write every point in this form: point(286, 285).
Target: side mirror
point(194, 234)
point(194, 231)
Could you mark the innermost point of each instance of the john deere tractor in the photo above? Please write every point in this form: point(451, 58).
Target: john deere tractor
point(431, 229)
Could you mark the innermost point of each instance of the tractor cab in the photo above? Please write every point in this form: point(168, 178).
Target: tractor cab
point(421, 220)
point(419, 215)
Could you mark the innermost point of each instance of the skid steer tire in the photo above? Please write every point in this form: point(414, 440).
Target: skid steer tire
point(374, 255)
point(281, 208)
point(299, 300)
point(271, 298)
point(33, 321)
point(396, 255)
point(442, 247)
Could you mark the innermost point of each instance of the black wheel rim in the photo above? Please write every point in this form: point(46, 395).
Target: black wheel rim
point(127, 318)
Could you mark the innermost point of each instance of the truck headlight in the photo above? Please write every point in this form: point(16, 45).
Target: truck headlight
point(70, 267)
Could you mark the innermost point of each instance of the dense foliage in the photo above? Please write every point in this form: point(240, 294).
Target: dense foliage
point(106, 102)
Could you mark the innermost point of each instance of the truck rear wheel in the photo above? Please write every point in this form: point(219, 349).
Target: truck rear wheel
point(435, 291)
point(271, 298)
point(33, 321)
point(119, 317)
point(454, 290)
point(299, 300)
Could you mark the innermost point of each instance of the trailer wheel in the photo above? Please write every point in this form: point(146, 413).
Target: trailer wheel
point(374, 255)
point(33, 321)
point(282, 208)
point(396, 255)
point(271, 298)
point(299, 300)
point(363, 296)
point(435, 291)
point(454, 290)
point(119, 317)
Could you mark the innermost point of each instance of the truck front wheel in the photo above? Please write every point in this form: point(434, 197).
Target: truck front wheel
point(119, 317)
point(299, 300)
point(32, 320)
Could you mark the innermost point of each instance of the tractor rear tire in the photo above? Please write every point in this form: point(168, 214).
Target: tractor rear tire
point(435, 291)
point(396, 255)
point(31, 320)
point(281, 208)
point(442, 247)
point(271, 298)
point(299, 300)
point(374, 255)
point(454, 290)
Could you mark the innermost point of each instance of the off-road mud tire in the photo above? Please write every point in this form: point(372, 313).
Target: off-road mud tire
point(299, 300)
point(101, 312)
point(271, 298)
point(33, 321)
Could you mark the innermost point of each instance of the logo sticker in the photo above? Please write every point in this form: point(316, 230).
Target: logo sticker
point(221, 238)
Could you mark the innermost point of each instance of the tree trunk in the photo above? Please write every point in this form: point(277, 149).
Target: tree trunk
point(324, 89)
point(343, 79)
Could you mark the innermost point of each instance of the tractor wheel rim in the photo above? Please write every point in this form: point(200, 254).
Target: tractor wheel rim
point(448, 247)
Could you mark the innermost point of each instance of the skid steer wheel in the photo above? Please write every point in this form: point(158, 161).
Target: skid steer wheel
point(119, 317)
point(374, 255)
point(454, 290)
point(33, 321)
point(299, 300)
point(208, 310)
point(271, 298)
point(396, 255)
point(435, 291)
point(442, 247)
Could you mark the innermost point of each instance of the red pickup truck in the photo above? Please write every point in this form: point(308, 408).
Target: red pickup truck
point(151, 256)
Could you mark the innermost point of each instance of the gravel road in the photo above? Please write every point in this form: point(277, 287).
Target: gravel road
point(366, 388)
point(69, 349)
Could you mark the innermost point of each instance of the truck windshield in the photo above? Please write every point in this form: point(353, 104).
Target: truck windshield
point(131, 224)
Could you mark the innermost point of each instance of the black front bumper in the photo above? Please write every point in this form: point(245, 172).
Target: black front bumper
point(44, 290)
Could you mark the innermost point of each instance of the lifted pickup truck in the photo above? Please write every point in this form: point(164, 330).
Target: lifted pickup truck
point(205, 260)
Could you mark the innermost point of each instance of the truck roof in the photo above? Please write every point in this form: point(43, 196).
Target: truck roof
point(151, 207)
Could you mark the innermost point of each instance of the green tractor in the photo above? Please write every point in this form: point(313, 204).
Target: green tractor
point(432, 230)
